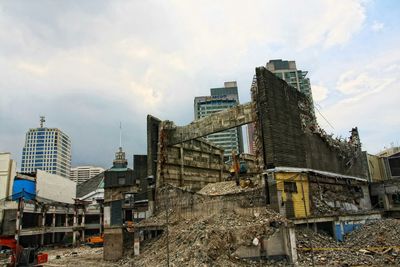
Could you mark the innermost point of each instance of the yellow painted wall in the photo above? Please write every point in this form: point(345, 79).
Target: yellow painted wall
point(376, 168)
point(301, 179)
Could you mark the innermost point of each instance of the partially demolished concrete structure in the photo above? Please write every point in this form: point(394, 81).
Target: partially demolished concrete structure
point(37, 213)
point(306, 175)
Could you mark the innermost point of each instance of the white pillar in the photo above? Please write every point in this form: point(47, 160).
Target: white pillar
point(53, 225)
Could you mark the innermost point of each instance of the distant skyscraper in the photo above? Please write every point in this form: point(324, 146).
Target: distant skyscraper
point(220, 99)
point(47, 149)
point(81, 174)
point(287, 71)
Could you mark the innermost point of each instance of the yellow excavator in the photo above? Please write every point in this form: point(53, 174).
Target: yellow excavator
point(238, 170)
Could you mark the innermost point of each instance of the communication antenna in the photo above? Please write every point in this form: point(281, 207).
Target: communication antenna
point(120, 134)
point(42, 120)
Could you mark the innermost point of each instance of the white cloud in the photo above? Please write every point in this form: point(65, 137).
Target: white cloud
point(319, 92)
point(129, 58)
point(370, 101)
point(35, 69)
point(377, 26)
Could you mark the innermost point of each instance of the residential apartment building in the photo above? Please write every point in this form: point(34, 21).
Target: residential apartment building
point(220, 99)
point(81, 174)
point(47, 149)
point(287, 71)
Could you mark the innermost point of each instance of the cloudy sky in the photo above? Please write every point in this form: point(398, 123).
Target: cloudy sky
point(87, 65)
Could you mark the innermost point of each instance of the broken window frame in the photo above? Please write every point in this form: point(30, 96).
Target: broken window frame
point(289, 187)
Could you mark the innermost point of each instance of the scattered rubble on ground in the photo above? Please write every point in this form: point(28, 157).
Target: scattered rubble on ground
point(212, 241)
point(78, 257)
point(224, 188)
point(375, 243)
point(209, 241)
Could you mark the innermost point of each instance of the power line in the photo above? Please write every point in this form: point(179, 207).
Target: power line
point(320, 113)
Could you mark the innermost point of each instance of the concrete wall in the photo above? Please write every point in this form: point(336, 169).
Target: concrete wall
point(376, 168)
point(317, 195)
point(113, 244)
point(55, 187)
point(191, 164)
point(291, 137)
point(384, 191)
point(153, 125)
point(7, 174)
point(293, 203)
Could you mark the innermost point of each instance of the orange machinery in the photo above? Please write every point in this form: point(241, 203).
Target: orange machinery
point(21, 256)
point(95, 241)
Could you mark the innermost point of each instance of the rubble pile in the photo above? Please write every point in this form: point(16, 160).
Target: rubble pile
point(224, 188)
point(375, 234)
point(209, 241)
point(336, 199)
point(376, 243)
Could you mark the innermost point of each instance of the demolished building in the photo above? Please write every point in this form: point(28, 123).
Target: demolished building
point(287, 141)
point(302, 172)
point(38, 213)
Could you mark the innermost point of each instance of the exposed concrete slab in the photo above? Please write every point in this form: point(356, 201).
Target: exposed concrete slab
point(214, 123)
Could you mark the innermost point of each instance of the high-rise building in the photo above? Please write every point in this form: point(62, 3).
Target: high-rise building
point(81, 174)
point(47, 149)
point(220, 99)
point(287, 71)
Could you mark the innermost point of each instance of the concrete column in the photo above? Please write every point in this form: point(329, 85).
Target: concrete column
point(53, 225)
point(136, 244)
point(66, 219)
point(18, 222)
point(386, 203)
point(43, 226)
point(292, 246)
point(83, 225)
point(101, 223)
point(181, 169)
point(221, 163)
point(75, 225)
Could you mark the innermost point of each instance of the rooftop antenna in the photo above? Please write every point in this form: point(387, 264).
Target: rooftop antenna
point(42, 120)
point(120, 134)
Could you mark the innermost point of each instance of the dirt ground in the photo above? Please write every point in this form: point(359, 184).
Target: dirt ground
point(77, 257)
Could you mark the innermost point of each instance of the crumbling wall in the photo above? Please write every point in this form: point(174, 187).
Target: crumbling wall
point(338, 195)
point(189, 204)
point(290, 135)
point(191, 164)
point(153, 125)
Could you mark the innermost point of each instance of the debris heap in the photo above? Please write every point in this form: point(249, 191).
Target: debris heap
point(225, 188)
point(375, 243)
point(209, 241)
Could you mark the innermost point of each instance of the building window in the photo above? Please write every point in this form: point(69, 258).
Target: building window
point(290, 187)
point(121, 180)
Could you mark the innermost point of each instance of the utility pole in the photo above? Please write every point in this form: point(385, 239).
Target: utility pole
point(20, 214)
point(167, 222)
point(305, 212)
